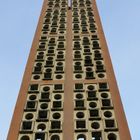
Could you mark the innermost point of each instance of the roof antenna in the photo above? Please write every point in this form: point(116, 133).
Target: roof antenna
point(69, 4)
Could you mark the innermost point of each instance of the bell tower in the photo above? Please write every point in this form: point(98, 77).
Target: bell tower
point(69, 91)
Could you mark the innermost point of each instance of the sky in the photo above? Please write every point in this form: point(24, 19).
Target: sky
point(120, 19)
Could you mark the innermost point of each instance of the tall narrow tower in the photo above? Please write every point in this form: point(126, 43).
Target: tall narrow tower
point(69, 91)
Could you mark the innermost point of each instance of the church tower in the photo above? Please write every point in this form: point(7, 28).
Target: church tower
point(69, 91)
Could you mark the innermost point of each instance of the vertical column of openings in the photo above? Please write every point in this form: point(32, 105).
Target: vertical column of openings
point(94, 116)
point(43, 111)
point(87, 54)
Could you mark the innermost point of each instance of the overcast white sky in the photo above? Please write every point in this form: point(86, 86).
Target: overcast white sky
point(120, 19)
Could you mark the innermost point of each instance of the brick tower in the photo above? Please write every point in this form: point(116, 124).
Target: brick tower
point(69, 91)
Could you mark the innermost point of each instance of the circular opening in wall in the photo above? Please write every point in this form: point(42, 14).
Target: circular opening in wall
point(101, 75)
point(25, 138)
point(80, 115)
point(29, 116)
point(85, 39)
point(99, 62)
point(46, 88)
point(48, 70)
point(76, 32)
point(91, 87)
point(57, 96)
point(60, 52)
point(108, 114)
point(56, 115)
point(86, 47)
point(104, 95)
point(92, 104)
point(50, 58)
point(88, 69)
point(39, 64)
point(42, 43)
point(59, 64)
point(53, 30)
point(79, 96)
point(112, 136)
point(78, 76)
point(55, 137)
point(32, 97)
point(52, 39)
point(45, 32)
point(41, 127)
point(36, 77)
point(76, 42)
point(41, 53)
point(44, 106)
point(59, 76)
point(95, 125)
point(61, 32)
point(81, 137)
point(78, 63)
